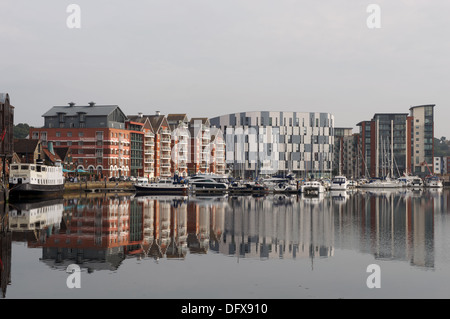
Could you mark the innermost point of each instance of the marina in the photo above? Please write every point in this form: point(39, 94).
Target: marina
point(273, 246)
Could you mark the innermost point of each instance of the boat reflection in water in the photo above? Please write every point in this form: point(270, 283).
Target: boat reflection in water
point(99, 232)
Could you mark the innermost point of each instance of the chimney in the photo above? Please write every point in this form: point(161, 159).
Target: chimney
point(91, 104)
point(140, 114)
point(158, 113)
point(71, 104)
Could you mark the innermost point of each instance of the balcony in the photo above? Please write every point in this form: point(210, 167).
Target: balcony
point(165, 132)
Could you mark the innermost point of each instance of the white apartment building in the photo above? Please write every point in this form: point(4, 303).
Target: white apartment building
point(267, 143)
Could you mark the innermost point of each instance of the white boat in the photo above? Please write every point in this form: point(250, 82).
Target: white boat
point(339, 183)
point(207, 185)
point(312, 188)
point(162, 187)
point(28, 181)
point(352, 184)
point(276, 183)
point(381, 183)
point(433, 181)
point(201, 176)
point(410, 181)
point(286, 187)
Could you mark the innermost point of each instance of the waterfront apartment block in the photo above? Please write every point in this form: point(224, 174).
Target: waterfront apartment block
point(96, 134)
point(397, 143)
point(347, 149)
point(107, 143)
point(265, 143)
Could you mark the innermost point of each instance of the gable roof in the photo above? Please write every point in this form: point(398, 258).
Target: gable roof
point(175, 118)
point(52, 157)
point(157, 121)
point(24, 145)
point(62, 151)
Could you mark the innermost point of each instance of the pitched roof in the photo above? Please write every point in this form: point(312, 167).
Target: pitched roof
point(61, 151)
point(68, 110)
point(137, 118)
point(24, 145)
point(156, 121)
point(175, 118)
point(52, 157)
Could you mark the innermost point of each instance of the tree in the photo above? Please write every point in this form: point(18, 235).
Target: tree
point(21, 130)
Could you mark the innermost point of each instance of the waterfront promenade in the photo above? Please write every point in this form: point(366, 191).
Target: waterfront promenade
point(71, 187)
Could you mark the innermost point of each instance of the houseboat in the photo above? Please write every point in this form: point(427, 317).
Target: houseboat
point(35, 181)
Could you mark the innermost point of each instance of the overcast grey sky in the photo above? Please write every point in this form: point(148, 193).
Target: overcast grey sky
point(213, 57)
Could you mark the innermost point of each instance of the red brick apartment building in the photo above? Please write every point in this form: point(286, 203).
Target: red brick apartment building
point(107, 143)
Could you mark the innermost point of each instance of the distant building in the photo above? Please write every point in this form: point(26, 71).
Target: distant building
point(6, 138)
point(397, 143)
point(347, 161)
point(423, 138)
point(266, 143)
point(96, 134)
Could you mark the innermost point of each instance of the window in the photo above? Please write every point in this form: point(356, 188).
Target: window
point(58, 134)
point(80, 134)
point(69, 134)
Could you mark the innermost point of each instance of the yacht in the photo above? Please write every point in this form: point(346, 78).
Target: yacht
point(207, 185)
point(381, 183)
point(433, 181)
point(410, 181)
point(339, 183)
point(247, 188)
point(274, 183)
point(287, 187)
point(312, 188)
point(28, 181)
point(163, 187)
point(216, 177)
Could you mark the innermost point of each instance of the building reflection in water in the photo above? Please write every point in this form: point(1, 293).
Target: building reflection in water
point(5, 249)
point(99, 232)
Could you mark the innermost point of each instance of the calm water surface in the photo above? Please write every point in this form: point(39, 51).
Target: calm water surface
point(229, 247)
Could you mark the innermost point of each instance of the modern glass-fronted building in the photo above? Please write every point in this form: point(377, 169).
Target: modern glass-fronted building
point(267, 143)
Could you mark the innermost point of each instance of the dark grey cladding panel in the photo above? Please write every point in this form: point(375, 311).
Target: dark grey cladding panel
point(232, 119)
point(323, 119)
point(308, 148)
point(215, 121)
point(296, 139)
point(265, 117)
point(295, 156)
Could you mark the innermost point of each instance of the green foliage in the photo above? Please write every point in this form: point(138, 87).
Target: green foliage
point(21, 130)
point(441, 147)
